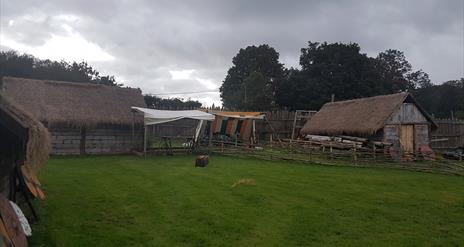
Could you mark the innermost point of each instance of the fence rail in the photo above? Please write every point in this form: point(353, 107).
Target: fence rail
point(331, 156)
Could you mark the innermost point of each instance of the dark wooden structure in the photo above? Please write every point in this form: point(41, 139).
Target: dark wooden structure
point(24, 148)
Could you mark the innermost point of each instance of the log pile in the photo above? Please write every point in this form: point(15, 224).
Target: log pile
point(341, 142)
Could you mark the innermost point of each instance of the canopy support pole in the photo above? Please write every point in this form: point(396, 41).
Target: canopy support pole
point(253, 135)
point(133, 131)
point(145, 141)
point(210, 143)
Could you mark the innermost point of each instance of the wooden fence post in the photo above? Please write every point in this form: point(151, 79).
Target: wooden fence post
point(355, 159)
point(375, 154)
point(310, 150)
point(331, 150)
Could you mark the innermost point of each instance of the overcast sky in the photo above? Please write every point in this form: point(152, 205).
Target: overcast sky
point(187, 46)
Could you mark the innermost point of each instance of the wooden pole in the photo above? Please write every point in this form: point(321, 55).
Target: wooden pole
point(331, 150)
point(375, 157)
point(82, 141)
point(210, 143)
point(310, 151)
point(294, 126)
point(254, 133)
point(145, 141)
point(355, 159)
point(133, 130)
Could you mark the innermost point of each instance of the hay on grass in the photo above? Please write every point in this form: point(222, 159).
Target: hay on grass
point(244, 181)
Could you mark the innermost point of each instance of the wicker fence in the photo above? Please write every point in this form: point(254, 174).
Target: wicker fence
point(331, 155)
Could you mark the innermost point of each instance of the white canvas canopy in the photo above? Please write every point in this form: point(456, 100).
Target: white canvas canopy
point(152, 117)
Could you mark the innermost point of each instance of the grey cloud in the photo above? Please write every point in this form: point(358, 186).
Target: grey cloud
point(149, 38)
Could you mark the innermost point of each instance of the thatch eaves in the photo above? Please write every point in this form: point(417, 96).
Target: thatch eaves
point(359, 117)
point(74, 104)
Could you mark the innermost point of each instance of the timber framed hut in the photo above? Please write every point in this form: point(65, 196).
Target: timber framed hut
point(396, 118)
point(82, 118)
point(22, 139)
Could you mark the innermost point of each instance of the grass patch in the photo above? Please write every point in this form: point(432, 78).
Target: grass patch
point(165, 201)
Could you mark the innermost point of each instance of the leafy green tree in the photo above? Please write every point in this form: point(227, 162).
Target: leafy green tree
point(397, 74)
point(327, 69)
point(257, 93)
point(155, 102)
point(342, 70)
point(27, 66)
point(444, 100)
point(263, 59)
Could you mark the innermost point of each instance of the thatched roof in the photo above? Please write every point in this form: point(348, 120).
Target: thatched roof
point(360, 117)
point(38, 138)
point(74, 104)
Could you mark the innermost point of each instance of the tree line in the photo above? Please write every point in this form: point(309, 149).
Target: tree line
point(27, 66)
point(258, 81)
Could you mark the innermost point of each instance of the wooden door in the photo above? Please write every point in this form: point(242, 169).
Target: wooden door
point(407, 138)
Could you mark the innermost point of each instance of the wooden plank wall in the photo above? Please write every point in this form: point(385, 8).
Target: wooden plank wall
point(408, 113)
point(65, 140)
point(102, 140)
point(108, 141)
point(451, 129)
point(280, 120)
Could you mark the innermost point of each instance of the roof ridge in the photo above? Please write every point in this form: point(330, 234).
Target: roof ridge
point(368, 98)
point(67, 83)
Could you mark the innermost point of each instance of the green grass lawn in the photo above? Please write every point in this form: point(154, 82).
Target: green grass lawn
point(165, 201)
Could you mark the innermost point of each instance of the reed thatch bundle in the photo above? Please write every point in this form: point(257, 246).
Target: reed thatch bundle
point(74, 104)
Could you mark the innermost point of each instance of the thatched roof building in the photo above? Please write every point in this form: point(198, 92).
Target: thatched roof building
point(23, 138)
point(74, 104)
point(81, 117)
point(359, 117)
point(395, 118)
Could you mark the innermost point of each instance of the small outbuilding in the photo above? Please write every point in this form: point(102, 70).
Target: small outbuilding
point(24, 148)
point(22, 140)
point(395, 118)
point(82, 118)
